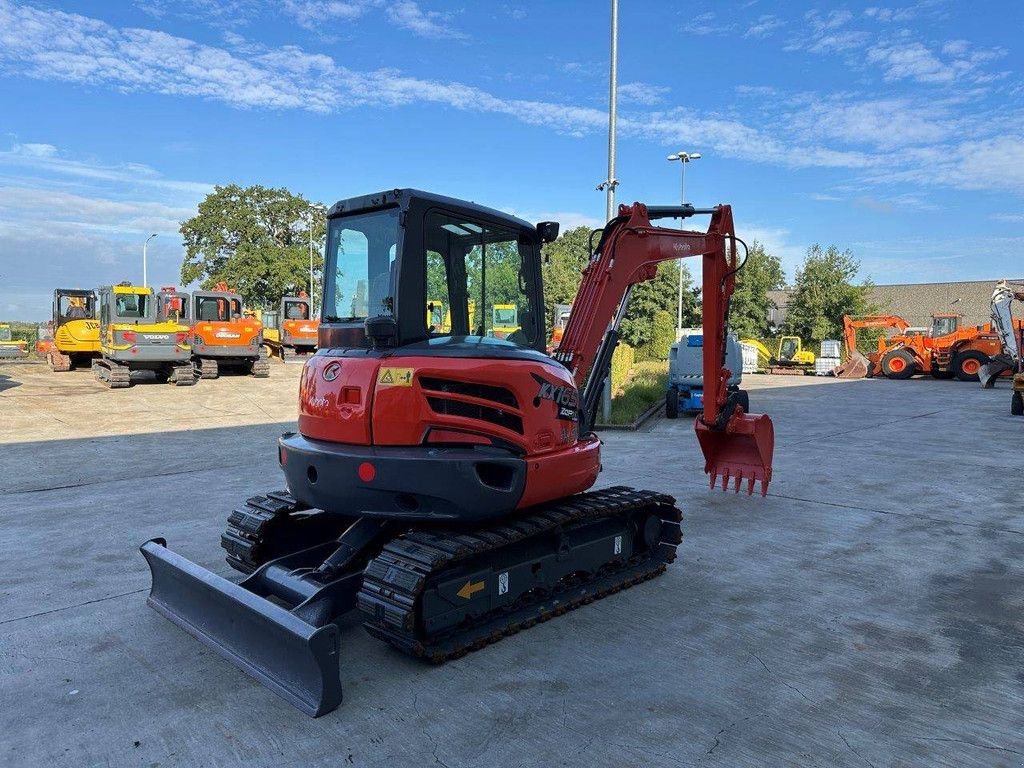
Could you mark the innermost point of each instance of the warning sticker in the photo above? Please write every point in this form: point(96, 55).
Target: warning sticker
point(394, 377)
point(503, 583)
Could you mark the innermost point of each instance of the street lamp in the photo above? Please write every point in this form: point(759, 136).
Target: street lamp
point(145, 245)
point(684, 159)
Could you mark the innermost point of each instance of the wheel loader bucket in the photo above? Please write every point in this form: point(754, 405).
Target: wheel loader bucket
point(856, 367)
point(741, 451)
point(297, 661)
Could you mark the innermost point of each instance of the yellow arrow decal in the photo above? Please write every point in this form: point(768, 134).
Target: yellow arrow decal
point(469, 589)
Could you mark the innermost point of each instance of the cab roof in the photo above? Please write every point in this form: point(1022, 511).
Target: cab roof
point(403, 197)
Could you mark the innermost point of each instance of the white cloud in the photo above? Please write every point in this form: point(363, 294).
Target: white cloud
point(642, 93)
point(407, 14)
point(765, 26)
point(1009, 218)
point(707, 24)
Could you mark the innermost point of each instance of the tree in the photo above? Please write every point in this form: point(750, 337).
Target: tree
point(750, 307)
point(564, 260)
point(256, 240)
point(824, 292)
point(661, 293)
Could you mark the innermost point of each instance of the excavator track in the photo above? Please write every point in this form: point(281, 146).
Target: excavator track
point(260, 368)
point(440, 593)
point(207, 368)
point(182, 376)
point(112, 375)
point(59, 362)
point(272, 525)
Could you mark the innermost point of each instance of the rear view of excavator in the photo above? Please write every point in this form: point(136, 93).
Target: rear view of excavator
point(290, 332)
point(11, 348)
point(224, 337)
point(136, 336)
point(439, 480)
point(76, 330)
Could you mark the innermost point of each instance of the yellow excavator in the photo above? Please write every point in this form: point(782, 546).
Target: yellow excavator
point(790, 357)
point(76, 330)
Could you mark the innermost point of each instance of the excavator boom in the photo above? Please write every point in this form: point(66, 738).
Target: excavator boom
point(737, 446)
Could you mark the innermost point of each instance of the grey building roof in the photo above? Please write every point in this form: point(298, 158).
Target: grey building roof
point(917, 302)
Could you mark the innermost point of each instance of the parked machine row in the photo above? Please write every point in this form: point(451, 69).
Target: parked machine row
point(180, 337)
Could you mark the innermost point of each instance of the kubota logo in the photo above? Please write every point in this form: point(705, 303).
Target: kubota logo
point(331, 371)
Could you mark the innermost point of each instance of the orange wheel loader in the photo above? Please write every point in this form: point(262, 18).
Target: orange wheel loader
point(439, 480)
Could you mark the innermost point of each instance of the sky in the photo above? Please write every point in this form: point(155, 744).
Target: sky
point(895, 131)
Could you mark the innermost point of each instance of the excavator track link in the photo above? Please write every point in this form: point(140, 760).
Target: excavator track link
point(414, 569)
point(182, 376)
point(112, 375)
point(207, 368)
point(272, 525)
point(260, 368)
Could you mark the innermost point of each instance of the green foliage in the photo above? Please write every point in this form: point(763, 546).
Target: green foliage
point(824, 292)
point(663, 335)
point(564, 260)
point(622, 362)
point(645, 388)
point(750, 306)
point(256, 240)
point(659, 294)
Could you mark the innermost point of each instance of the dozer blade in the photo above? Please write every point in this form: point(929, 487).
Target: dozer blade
point(741, 451)
point(297, 661)
point(856, 367)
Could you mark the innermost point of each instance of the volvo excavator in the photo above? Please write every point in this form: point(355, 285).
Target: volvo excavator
point(439, 480)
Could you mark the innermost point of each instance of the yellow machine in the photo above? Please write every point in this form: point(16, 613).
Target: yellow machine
point(9, 348)
point(134, 338)
point(790, 357)
point(504, 320)
point(439, 316)
point(76, 330)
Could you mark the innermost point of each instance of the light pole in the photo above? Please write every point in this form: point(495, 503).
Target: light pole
point(145, 245)
point(684, 158)
point(312, 298)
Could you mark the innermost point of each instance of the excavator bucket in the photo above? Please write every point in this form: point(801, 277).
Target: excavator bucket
point(741, 451)
point(294, 659)
point(992, 370)
point(857, 367)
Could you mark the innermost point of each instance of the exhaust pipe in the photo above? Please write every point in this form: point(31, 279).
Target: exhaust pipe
point(296, 660)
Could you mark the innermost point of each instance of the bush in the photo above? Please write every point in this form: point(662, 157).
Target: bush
point(663, 336)
point(646, 387)
point(622, 361)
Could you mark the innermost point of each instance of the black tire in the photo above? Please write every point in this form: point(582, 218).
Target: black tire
point(672, 404)
point(966, 365)
point(1017, 404)
point(899, 364)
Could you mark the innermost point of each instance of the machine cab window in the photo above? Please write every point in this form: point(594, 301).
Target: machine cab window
point(943, 326)
point(217, 308)
point(132, 306)
point(476, 279)
point(362, 249)
point(296, 309)
point(75, 307)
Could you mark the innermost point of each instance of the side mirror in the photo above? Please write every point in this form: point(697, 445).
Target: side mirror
point(548, 231)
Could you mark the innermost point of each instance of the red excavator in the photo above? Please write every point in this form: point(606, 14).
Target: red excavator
point(438, 481)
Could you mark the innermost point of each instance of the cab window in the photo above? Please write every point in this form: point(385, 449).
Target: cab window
point(476, 272)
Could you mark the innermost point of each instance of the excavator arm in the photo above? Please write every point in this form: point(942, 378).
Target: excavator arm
point(1009, 331)
point(736, 445)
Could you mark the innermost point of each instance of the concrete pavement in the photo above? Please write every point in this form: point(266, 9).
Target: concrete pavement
point(870, 611)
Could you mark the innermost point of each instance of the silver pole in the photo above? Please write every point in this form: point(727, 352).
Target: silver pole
point(145, 276)
point(682, 199)
point(613, 82)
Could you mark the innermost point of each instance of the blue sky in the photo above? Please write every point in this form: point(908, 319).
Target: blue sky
point(895, 131)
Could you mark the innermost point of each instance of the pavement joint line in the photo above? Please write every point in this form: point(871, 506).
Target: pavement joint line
point(69, 607)
point(865, 427)
point(111, 480)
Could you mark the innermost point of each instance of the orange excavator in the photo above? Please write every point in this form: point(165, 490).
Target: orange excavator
point(223, 337)
point(439, 479)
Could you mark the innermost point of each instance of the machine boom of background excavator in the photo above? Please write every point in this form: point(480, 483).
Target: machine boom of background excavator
point(439, 479)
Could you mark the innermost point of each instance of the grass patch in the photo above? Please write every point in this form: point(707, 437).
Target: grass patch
point(645, 386)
